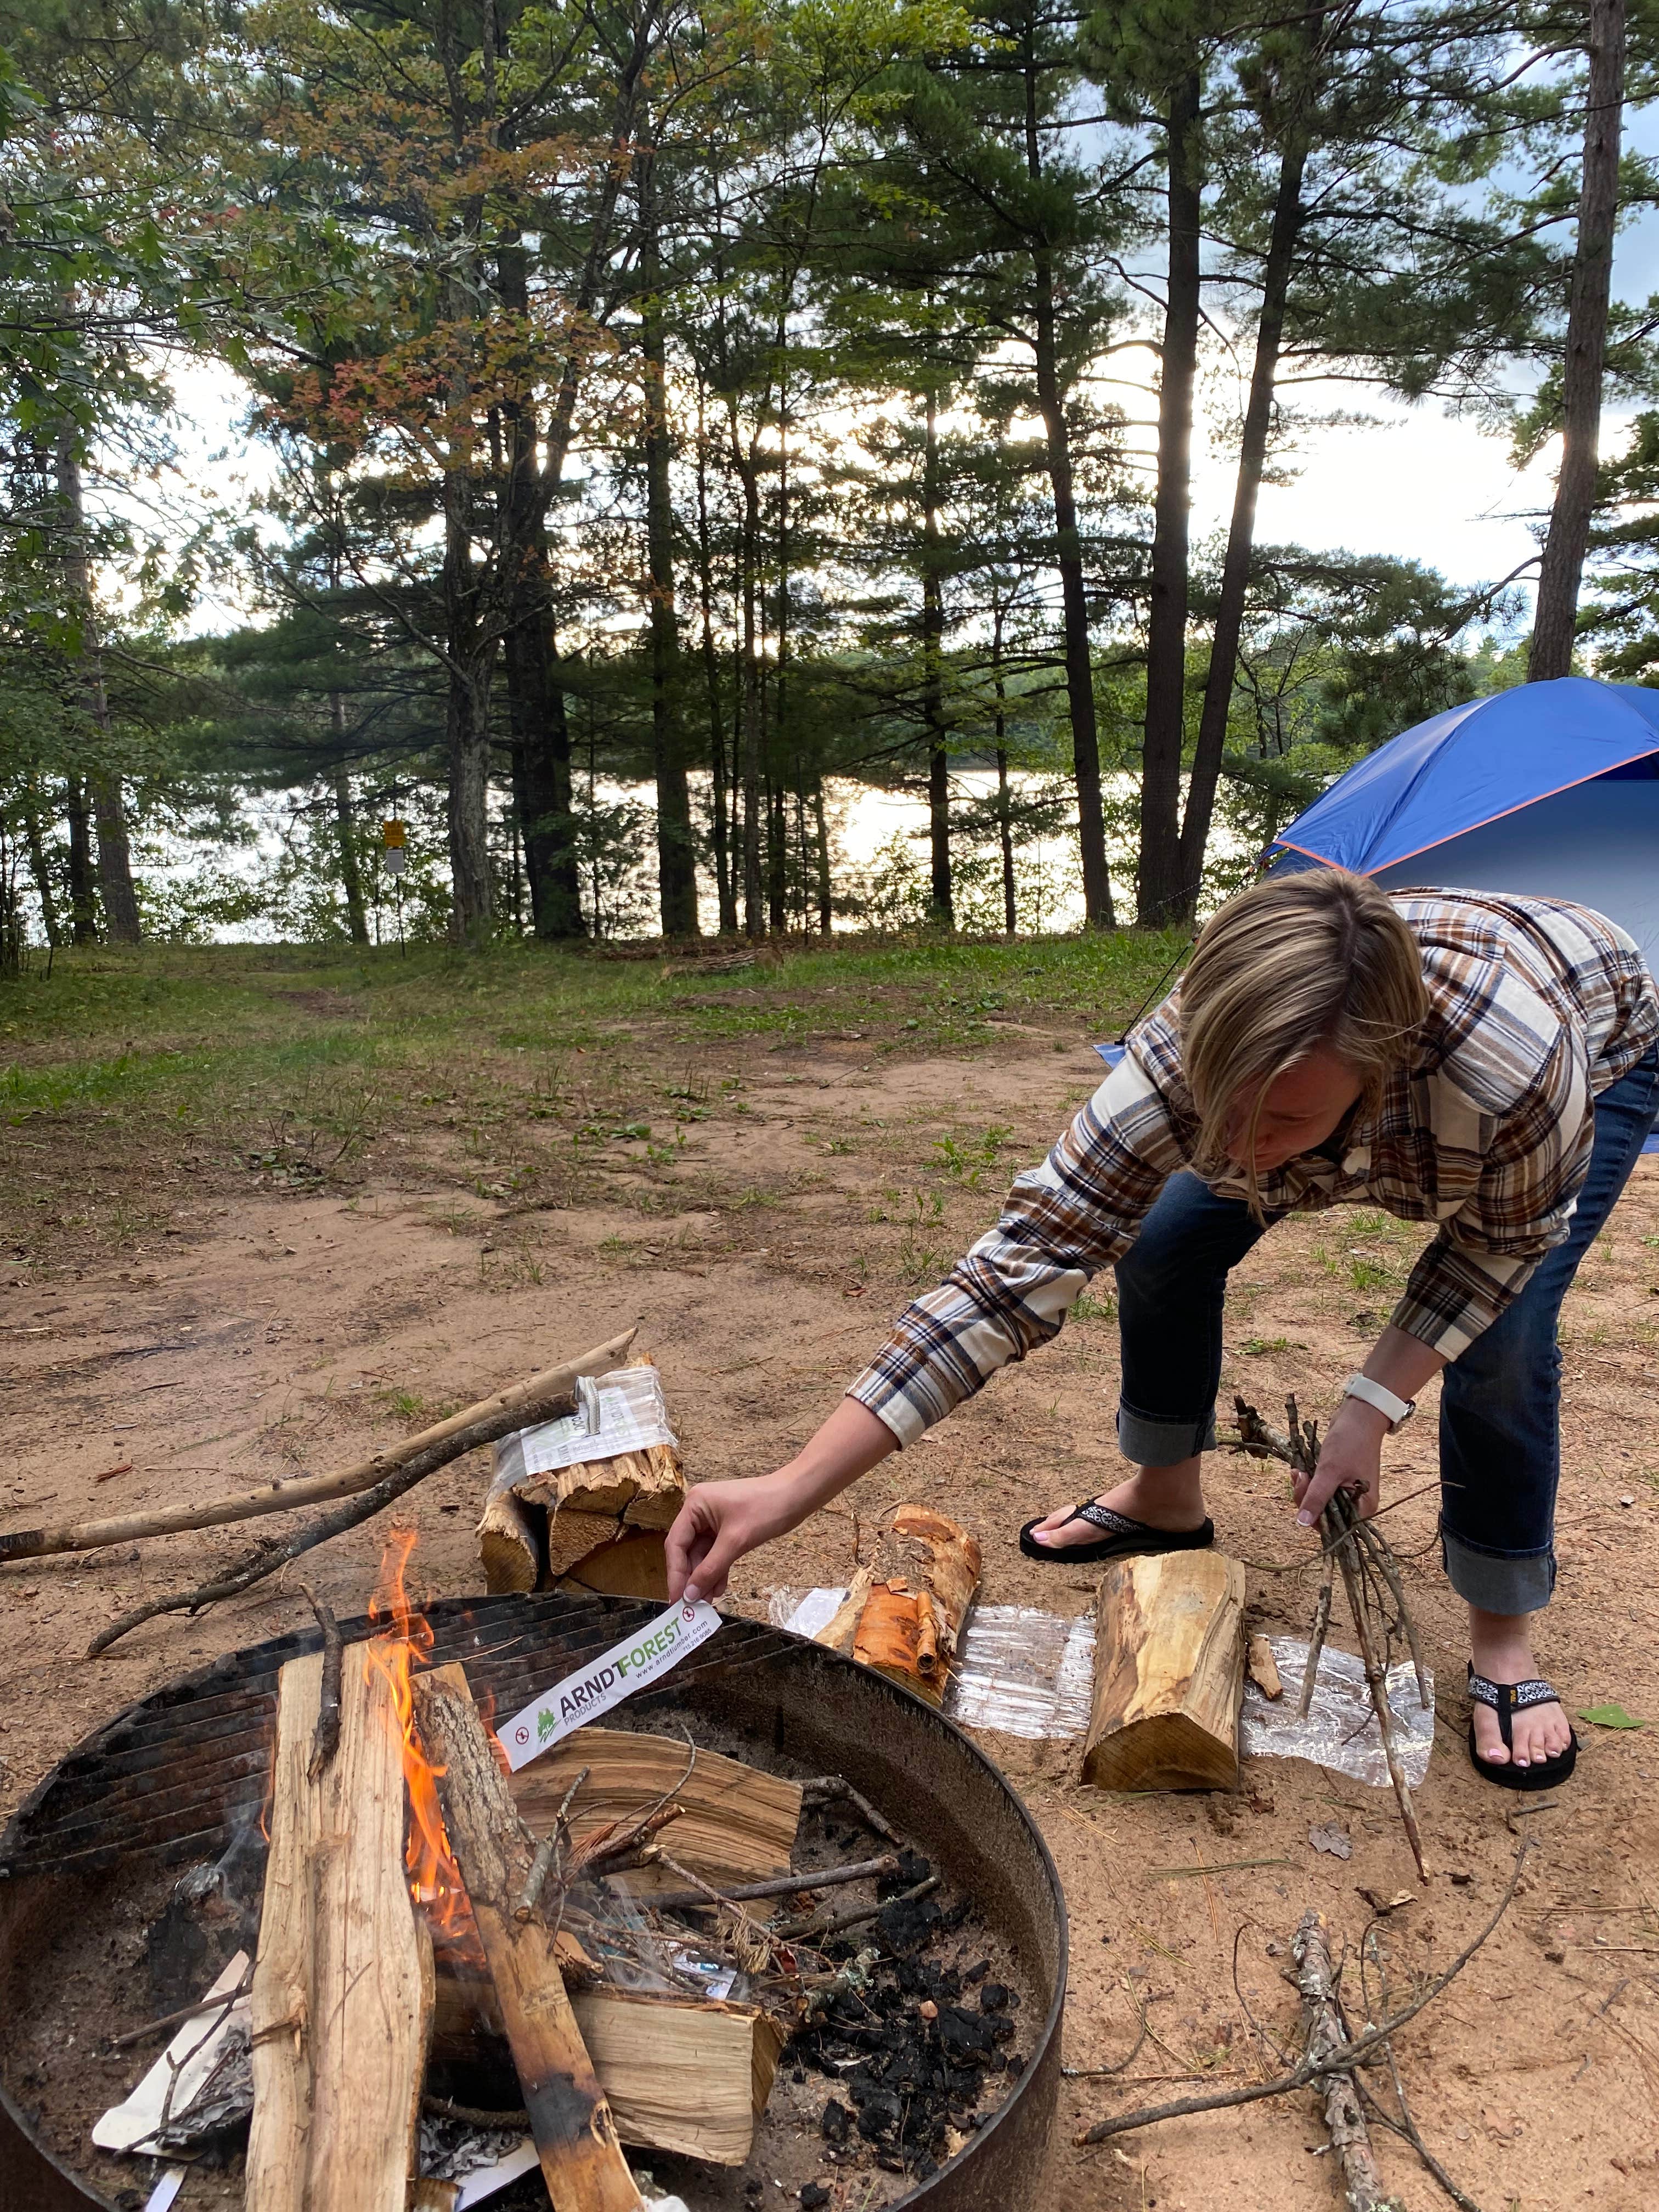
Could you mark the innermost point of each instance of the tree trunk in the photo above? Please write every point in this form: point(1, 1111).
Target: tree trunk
point(753, 920)
point(724, 872)
point(351, 875)
point(121, 923)
point(535, 698)
point(932, 634)
point(468, 735)
point(1004, 829)
point(821, 840)
point(1158, 892)
point(1074, 605)
point(1555, 615)
point(42, 874)
point(1240, 534)
point(83, 904)
point(677, 881)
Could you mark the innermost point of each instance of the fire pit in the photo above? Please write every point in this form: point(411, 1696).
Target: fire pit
point(87, 1864)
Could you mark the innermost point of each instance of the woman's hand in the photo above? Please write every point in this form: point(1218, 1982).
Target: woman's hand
point(1350, 1458)
point(721, 1520)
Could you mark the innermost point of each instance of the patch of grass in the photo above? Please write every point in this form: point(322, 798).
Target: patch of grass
point(1088, 1307)
point(1259, 1348)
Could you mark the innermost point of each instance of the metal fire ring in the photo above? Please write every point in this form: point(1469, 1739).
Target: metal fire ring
point(169, 1778)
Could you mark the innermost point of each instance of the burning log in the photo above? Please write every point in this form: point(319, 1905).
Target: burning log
point(1168, 1674)
point(581, 2157)
point(553, 1383)
point(342, 1999)
point(919, 1594)
point(737, 1824)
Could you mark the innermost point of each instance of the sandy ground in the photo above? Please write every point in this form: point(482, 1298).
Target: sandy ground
point(256, 1332)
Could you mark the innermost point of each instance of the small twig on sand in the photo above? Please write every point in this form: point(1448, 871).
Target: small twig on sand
point(326, 1739)
point(1342, 2060)
point(267, 1557)
point(1343, 2117)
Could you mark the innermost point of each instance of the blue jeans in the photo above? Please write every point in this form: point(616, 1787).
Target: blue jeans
point(1500, 1440)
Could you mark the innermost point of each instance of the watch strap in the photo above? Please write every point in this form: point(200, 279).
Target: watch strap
point(1396, 1410)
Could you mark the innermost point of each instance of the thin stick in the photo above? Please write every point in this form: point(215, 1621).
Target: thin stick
point(1344, 2117)
point(830, 1923)
point(1321, 1628)
point(1341, 2060)
point(530, 1896)
point(1376, 1680)
point(267, 1557)
point(475, 2116)
point(781, 1885)
point(325, 1738)
point(1382, 1559)
point(225, 1999)
point(1406, 2126)
point(829, 1787)
point(523, 1398)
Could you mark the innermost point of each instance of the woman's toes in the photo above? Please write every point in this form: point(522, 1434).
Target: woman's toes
point(1488, 1743)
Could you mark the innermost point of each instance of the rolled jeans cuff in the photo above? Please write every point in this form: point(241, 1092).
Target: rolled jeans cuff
point(1498, 1582)
point(1149, 1441)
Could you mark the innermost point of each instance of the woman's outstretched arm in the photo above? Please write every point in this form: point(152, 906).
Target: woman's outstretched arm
point(721, 1520)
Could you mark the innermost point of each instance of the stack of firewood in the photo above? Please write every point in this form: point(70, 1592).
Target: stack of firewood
point(556, 1944)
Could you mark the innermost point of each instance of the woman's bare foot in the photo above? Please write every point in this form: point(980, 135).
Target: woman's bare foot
point(1502, 1651)
point(1169, 1497)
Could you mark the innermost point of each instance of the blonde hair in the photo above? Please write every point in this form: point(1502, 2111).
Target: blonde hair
point(1318, 958)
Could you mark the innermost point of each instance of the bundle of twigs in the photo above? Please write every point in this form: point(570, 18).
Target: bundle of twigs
point(1371, 1576)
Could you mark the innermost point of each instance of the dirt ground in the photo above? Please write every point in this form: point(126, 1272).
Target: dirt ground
point(791, 1193)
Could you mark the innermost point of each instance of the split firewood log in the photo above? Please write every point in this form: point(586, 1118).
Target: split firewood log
point(1168, 1674)
point(736, 1823)
point(921, 1587)
point(342, 1999)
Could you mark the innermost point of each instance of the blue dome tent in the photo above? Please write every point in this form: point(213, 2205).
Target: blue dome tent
point(1551, 789)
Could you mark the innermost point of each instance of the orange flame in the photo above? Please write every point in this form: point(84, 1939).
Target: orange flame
point(435, 1879)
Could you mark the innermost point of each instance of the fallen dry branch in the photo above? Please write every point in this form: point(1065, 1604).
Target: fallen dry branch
point(521, 1399)
point(1341, 2060)
point(1345, 2119)
point(267, 1557)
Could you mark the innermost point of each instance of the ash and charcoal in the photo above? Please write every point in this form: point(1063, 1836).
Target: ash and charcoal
point(912, 2043)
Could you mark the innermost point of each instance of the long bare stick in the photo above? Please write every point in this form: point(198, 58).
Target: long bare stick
point(1341, 1511)
point(1342, 2060)
point(317, 1489)
point(1350, 2137)
point(266, 1558)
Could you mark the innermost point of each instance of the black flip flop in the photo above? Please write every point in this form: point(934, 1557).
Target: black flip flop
point(1122, 1539)
point(1506, 1700)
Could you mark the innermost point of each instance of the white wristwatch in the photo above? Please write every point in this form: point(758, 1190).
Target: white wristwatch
point(1399, 1411)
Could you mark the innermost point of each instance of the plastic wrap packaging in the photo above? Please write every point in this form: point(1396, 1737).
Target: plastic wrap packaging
point(1340, 1731)
point(1018, 1671)
point(621, 1411)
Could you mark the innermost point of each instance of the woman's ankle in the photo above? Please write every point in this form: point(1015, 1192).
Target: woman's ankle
point(1163, 1497)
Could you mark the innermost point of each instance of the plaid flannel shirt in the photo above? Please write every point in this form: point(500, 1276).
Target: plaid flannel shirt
point(1535, 1006)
